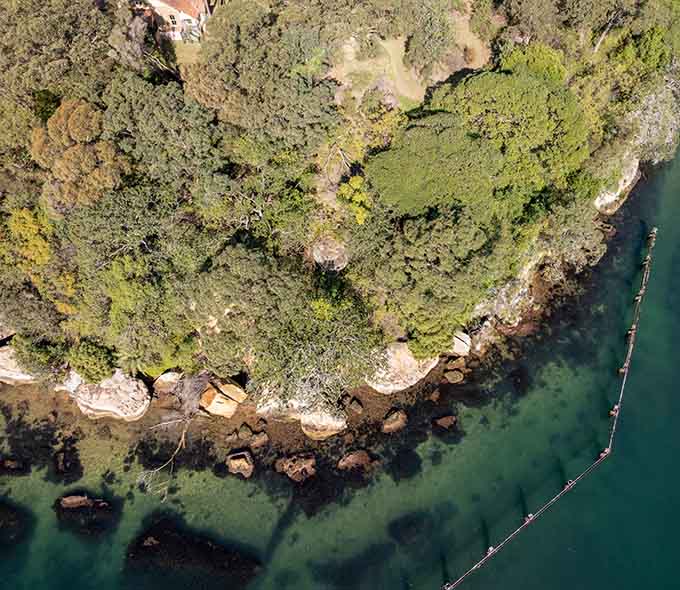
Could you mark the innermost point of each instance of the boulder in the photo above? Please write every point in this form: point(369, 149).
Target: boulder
point(454, 377)
point(259, 439)
point(355, 460)
point(401, 370)
point(456, 364)
point(241, 463)
point(217, 404)
point(245, 432)
point(120, 396)
point(461, 344)
point(298, 467)
point(394, 421)
point(321, 425)
point(166, 383)
point(446, 422)
point(356, 406)
point(330, 254)
point(10, 371)
point(231, 390)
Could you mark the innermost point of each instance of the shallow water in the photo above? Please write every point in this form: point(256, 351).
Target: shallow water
point(615, 530)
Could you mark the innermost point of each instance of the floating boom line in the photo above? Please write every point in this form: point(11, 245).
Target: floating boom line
point(614, 413)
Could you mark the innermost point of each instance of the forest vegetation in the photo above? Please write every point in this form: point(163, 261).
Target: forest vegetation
point(158, 215)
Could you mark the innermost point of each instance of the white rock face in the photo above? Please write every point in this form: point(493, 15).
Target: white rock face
point(71, 383)
point(609, 201)
point(120, 397)
point(402, 370)
point(461, 344)
point(10, 371)
point(317, 421)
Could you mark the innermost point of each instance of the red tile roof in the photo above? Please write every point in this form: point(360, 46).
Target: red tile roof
point(194, 8)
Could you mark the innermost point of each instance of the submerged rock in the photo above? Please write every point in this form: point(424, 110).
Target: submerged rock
point(13, 466)
point(84, 515)
point(446, 422)
point(394, 421)
point(454, 377)
point(10, 370)
point(120, 396)
point(14, 525)
point(401, 371)
point(240, 463)
point(298, 467)
point(355, 460)
point(169, 553)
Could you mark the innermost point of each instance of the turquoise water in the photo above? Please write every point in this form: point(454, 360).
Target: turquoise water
point(615, 530)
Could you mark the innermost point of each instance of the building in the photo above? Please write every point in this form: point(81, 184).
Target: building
point(180, 20)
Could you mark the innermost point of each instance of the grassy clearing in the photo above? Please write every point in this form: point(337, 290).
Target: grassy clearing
point(186, 53)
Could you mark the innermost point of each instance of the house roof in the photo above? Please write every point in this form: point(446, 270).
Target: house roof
point(194, 8)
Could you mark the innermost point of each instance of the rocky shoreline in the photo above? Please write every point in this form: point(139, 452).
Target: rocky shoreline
point(196, 421)
point(382, 431)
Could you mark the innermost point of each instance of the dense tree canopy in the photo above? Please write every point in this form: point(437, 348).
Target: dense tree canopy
point(155, 215)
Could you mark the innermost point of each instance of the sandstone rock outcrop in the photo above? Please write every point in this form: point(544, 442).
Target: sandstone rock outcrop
point(461, 344)
point(609, 201)
point(217, 404)
point(231, 390)
point(394, 421)
point(222, 398)
point(71, 384)
point(298, 467)
point(166, 383)
point(120, 396)
point(241, 463)
point(318, 421)
point(330, 254)
point(321, 425)
point(10, 370)
point(401, 370)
